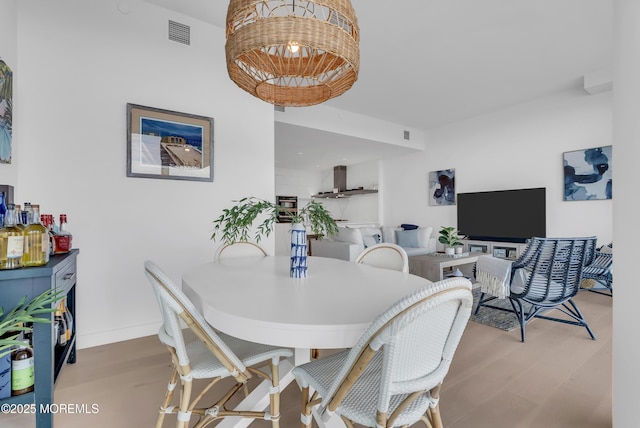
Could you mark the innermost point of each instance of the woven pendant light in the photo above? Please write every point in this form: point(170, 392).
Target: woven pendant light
point(293, 53)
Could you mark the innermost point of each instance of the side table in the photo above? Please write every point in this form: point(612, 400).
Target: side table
point(432, 267)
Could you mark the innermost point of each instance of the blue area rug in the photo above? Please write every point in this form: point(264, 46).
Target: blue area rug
point(492, 317)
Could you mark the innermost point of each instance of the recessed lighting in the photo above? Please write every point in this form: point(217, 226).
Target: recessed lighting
point(299, 153)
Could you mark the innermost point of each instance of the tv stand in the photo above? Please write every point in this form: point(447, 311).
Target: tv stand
point(503, 250)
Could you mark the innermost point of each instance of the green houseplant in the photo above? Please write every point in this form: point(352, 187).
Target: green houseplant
point(236, 223)
point(16, 320)
point(450, 237)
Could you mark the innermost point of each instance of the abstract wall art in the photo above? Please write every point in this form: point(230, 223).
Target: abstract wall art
point(442, 189)
point(6, 111)
point(587, 174)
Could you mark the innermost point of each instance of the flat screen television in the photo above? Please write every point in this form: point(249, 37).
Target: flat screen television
point(503, 216)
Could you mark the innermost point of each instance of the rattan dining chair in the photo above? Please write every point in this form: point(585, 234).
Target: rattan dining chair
point(547, 276)
point(600, 271)
point(392, 376)
point(386, 256)
point(210, 355)
point(239, 249)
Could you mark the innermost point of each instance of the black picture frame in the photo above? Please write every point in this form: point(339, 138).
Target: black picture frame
point(168, 144)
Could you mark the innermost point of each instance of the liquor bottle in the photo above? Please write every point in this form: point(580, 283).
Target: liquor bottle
point(3, 208)
point(19, 221)
point(67, 317)
point(22, 380)
point(62, 329)
point(63, 237)
point(26, 214)
point(36, 241)
point(47, 222)
point(11, 241)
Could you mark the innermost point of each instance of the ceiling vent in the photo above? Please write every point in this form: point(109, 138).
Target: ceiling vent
point(406, 135)
point(179, 33)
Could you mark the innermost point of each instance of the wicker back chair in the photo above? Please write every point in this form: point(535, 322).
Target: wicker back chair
point(239, 249)
point(386, 256)
point(392, 376)
point(547, 276)
point(209, 355)
point(600, 271)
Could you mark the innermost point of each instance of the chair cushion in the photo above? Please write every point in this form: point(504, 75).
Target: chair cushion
point(408, 238)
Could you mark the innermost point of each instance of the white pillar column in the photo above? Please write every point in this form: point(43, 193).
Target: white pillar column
point(626, 212)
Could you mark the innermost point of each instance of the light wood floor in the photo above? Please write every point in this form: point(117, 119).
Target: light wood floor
point(558, 378)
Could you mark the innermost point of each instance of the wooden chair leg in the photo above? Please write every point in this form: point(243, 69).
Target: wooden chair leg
point(274, 396)
point(187, 385)
point(305, 421)
point(173, 380)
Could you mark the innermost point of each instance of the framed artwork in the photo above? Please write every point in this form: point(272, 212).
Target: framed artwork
point(168, 144)
point(587, 174)
point(442, 189)
point(6, 112)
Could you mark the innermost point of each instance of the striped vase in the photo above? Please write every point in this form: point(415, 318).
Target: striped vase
point(298, 266)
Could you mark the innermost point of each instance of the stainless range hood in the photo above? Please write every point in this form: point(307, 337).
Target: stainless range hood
point(340, 186)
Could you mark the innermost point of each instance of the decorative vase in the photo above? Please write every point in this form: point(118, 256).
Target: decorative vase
point(298, 266)
point(458, 250)
point(449, 251)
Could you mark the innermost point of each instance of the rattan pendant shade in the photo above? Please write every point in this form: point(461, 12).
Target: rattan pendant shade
point(293, 53)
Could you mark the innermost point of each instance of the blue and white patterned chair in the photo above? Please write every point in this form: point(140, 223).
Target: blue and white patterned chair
point(392, 376)
point(600, 271)
point(547, 276)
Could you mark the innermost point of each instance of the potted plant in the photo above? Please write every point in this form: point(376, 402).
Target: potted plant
point(451, 238)
point(236, 223)
point(15, 321)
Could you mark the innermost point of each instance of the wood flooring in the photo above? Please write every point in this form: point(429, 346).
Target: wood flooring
point(559, 378)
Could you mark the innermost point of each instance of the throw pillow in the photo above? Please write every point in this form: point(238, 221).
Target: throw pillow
point(349, 235)
point(407, 238)
point(369, 241)
point(406, 226)
point(424, 234)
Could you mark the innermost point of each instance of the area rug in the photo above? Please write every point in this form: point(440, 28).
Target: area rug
point(493, 317)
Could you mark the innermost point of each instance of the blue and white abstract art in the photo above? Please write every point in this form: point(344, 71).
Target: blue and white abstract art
point(587, 174)
point(442, 187)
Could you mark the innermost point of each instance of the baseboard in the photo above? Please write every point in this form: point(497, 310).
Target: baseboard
point(105, 337)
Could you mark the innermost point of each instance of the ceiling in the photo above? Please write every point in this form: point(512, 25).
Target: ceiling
point(428, 63)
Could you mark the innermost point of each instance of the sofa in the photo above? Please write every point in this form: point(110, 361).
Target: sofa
point(352, 240)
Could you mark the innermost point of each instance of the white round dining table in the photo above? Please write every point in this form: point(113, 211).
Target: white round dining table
point(255, 299)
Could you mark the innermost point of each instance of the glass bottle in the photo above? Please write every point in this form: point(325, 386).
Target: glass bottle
point(67, 318)
point(36, 241)
point(19, 222)
point(3, 208)
point(26, 214)
point(62, 330)
point(11, 241)
point(22, 380)
point(63, 237)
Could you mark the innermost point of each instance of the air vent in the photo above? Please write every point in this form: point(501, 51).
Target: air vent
point(278, 108)
point(179, 33)
point(406, 135)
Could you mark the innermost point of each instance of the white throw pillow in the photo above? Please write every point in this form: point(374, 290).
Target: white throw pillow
point(369, 241)
point(424, 234)
point(349, 235)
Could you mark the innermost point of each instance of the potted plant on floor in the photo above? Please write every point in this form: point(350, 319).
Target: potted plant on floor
point(236, 224)
point(451, 238)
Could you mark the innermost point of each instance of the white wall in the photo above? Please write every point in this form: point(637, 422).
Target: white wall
point(626, 109)
point(515, 148)
point(80, 63)
point(9, 54)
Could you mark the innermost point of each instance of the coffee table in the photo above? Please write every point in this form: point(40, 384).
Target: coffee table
point(432, 267)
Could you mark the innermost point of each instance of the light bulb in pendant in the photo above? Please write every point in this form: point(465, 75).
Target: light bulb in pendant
point(293, 47)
